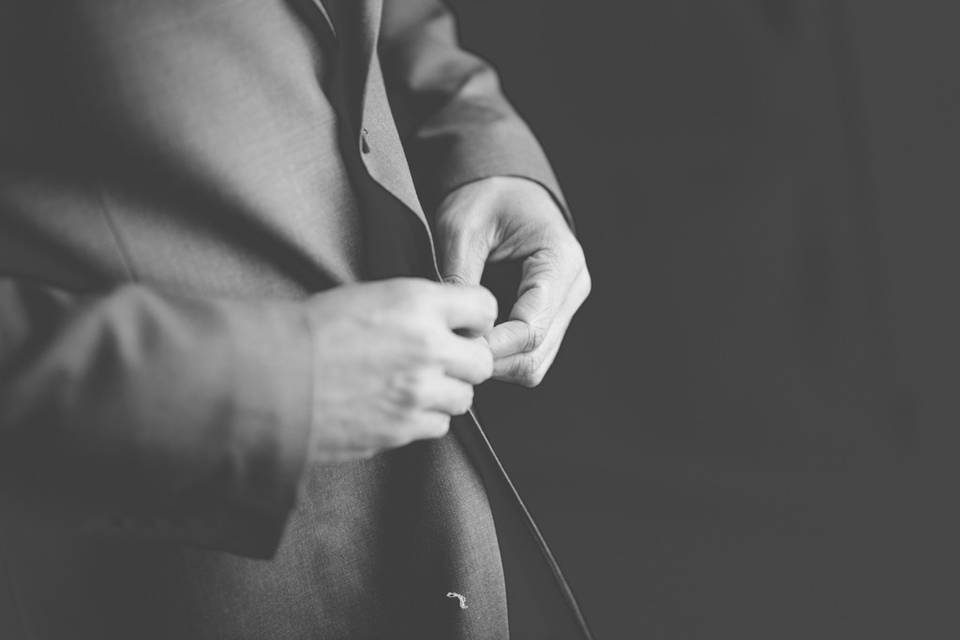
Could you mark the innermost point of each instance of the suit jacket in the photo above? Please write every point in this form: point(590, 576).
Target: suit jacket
point(176, 178)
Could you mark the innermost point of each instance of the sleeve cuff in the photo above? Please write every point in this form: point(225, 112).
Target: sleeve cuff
point(451, 156)
point(273, 377)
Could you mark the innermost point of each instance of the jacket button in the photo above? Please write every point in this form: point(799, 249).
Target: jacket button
point(364, 147)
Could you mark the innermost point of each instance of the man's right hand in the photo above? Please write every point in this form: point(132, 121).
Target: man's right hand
point(390, 367)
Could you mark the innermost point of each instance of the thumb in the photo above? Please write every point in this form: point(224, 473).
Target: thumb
point(462, 256)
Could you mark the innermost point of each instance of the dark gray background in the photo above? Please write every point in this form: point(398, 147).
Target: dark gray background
point(751, 431)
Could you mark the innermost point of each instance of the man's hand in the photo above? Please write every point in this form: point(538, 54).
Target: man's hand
point(390, 369)
point(507, 218)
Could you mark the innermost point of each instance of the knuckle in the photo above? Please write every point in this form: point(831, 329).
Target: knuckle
point(455, 279)
point(535, 335)
point(422, 343)
point(427, 347)
point(406, 398)
point(527, 371)
point(419, 389)
point(533, 379)
point(412, 390)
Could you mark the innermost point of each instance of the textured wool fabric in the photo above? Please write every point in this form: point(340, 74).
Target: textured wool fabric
point(175, 179)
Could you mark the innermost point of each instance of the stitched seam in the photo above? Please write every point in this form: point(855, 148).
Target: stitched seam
point(114, 230)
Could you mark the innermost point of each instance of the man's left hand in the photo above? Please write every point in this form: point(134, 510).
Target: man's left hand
point(510, 218)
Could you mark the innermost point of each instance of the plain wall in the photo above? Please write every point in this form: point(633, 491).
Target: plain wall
point(750, 430)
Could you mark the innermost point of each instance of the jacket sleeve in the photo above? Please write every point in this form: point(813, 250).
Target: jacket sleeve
point(140, 414)
point(455, 123)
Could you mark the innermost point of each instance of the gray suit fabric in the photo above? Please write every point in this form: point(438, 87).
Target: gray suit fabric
point(176, 178)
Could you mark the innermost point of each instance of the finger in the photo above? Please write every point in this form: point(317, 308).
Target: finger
point(467, 359)
point(451, 397)
point(529, 368)
point(427, 425)
point(461, 254)
point(514, 337)
point(548, 294)
point(544, 287)
point(467, 308)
